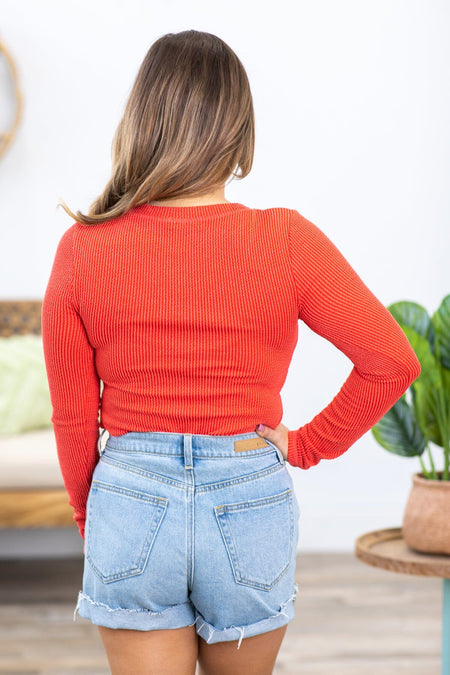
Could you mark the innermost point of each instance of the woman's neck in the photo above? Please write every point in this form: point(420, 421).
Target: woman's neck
point(216, 197)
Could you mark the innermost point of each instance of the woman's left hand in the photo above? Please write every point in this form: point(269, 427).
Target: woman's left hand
point(277, 436)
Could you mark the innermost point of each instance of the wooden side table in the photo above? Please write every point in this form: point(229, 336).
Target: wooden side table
point(387, 549)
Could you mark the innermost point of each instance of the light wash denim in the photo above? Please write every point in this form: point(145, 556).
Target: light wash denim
point(185, 529)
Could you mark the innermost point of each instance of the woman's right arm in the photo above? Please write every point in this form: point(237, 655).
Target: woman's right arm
point(336, 304)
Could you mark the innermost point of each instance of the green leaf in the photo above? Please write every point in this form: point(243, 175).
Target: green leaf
point(446, 384)
point(398, 431)
point(415, 316)
point(441, 325)
point(430, 375)
point(425, 408)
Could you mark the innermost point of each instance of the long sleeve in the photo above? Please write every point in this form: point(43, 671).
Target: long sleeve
point(73, 381)
point(335, 303)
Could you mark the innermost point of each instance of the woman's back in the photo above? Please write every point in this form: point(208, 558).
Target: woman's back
point(171, 301)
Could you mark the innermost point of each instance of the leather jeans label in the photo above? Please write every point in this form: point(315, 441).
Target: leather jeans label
point(250, 444)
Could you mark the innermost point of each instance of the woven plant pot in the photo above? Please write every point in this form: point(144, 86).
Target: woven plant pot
point(426, 519)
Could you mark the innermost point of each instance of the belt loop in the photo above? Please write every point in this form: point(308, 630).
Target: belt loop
point(280, 455)
point(100, 447)
point(187, 441)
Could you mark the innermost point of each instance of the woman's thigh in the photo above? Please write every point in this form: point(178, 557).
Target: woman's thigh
point(153, 652)
point(256, 656)
point(165, 652)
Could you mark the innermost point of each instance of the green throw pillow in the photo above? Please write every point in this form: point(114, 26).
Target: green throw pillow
point(24, 395)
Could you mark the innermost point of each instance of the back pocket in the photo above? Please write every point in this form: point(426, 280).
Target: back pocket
point(121, 526)
point(258, 535)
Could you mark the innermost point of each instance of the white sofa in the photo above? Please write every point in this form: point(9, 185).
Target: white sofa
point(32, 492)
point(29, 460)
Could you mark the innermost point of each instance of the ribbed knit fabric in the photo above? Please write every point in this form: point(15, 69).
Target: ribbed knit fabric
point(189, 315)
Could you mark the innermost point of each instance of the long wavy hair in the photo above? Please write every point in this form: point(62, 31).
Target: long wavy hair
point(188, 125)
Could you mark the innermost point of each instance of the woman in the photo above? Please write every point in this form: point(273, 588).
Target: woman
point(185, 307)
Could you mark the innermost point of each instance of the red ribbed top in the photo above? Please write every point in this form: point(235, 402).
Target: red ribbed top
point(189, 315)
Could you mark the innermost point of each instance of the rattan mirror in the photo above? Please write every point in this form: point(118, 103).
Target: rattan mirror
point(9, 79)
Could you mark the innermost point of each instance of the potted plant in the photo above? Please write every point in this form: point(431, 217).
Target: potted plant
point(420, 419)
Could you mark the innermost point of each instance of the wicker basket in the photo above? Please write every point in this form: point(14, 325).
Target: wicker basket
point(426, 520)
point(20, 317)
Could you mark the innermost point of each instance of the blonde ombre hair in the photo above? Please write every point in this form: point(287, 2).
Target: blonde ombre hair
point(188, 125)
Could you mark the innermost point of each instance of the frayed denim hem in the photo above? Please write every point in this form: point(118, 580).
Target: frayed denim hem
point(101, 614)
point(179, 616)
point(280, 618)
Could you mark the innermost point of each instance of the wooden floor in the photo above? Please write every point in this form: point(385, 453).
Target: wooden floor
point(351, 619)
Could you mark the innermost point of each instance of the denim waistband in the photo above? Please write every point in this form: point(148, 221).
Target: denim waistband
point(199, 445)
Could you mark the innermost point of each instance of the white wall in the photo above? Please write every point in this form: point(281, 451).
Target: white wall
point(352, 108)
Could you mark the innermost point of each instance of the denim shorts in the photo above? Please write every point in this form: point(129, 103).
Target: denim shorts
point(185, 529)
